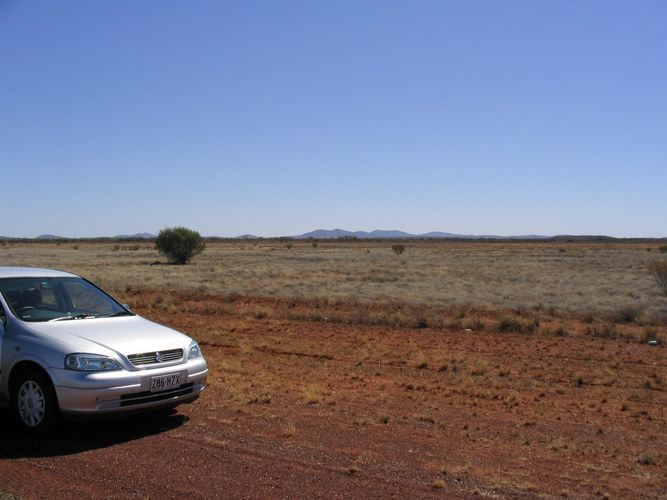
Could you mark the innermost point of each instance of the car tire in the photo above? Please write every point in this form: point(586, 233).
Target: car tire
point(34, 402)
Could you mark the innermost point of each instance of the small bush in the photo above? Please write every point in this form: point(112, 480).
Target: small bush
point(179, 244)
point(626, 315)
point(518, 325)
point(646, 458)
point(289, 430)
point(605, 331)
point(662, 248)
point(659, 272)
point(438, 484)
point(649, 334)
point(561, 332)
point(398, 248)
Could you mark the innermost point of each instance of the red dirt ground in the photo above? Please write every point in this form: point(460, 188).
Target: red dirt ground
point(315, 409)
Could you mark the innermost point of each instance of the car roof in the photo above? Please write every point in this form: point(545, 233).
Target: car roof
point(33, 272)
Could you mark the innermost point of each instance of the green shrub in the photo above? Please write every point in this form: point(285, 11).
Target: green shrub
point(179, 244)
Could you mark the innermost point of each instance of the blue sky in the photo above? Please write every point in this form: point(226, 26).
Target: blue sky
point(279, 117)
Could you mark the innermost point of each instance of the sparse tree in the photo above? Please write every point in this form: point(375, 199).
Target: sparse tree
point(179, 244)
point(659, 272)
point(398, 248)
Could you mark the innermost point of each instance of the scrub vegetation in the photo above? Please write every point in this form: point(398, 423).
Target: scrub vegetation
point(599, 279)
point(459, 369)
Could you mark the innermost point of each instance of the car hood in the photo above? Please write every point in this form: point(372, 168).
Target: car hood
point(121, 335)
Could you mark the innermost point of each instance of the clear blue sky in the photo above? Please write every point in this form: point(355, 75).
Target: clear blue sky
point(279, 117)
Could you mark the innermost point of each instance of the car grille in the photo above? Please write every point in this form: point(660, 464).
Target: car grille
point(151, 397)
point(156, 357)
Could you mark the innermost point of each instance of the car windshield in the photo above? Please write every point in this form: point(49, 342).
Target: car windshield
point(54, 299)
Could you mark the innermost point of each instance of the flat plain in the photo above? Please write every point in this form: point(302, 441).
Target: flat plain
point(595, 278)
point(342, 370)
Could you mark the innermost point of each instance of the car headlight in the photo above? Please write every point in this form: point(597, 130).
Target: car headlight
point(90, 362)
point(194, 351)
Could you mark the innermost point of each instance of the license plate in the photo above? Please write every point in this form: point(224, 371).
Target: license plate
point(165, 383)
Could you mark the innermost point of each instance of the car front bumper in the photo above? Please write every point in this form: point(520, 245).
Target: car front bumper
point(119, 391)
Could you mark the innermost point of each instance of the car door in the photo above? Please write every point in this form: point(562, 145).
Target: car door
point(3, 323)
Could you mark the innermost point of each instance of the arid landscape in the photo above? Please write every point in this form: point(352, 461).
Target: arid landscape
point(343, 370)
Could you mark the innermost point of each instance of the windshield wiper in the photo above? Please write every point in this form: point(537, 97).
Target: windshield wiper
point(119, 313)
point(76, 316)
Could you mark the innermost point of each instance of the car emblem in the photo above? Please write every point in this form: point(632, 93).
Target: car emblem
point(158, 357)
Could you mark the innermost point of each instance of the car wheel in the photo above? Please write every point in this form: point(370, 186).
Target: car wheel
point(34, 402)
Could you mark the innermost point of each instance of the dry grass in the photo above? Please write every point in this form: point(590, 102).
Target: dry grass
point(522, 367)
point(597, 279)
point(550, 410)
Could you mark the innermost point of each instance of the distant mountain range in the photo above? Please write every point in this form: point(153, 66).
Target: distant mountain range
point(138, 235)
point(334, 234)
point(330, 234)
point(118, 237)
point(323, 234)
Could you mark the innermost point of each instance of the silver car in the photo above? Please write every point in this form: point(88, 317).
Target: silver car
point(69, 349)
